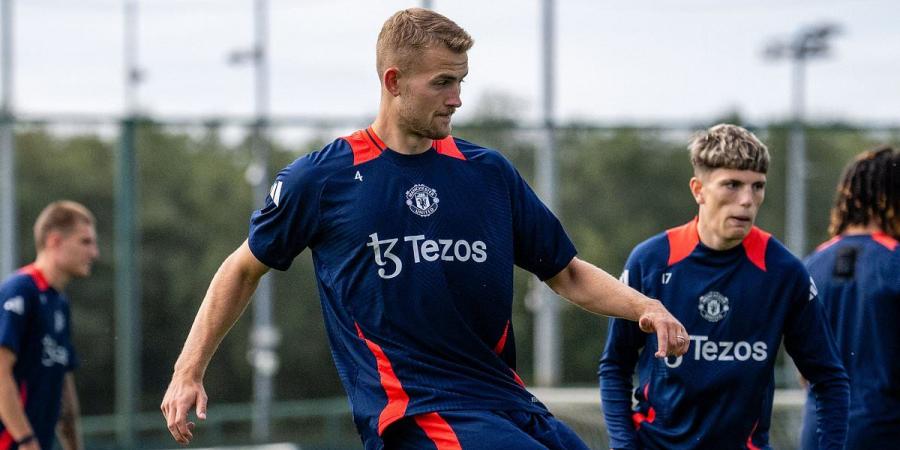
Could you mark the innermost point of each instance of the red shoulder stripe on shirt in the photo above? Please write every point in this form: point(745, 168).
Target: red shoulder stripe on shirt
point(397, 398)
point(682, 241)
point(438, 430)
point(884, 239)
point(755, 245)
point(828, 243)
point(447, 146)
point(39, 279)
point(364, 149)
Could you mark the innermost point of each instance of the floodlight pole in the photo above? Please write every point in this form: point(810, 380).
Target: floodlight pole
point(127, 250)
point(547, 342)
point(809, 43)
point(8, 242)
point(265, 335)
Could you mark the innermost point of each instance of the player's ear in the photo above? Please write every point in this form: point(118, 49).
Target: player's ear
point(391, 80)
point(696, 185)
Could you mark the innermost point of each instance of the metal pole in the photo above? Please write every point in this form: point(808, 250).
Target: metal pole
point(796, 168)
point(547, 354)
point(8, 244)
point(132, 72)
point(265, 336)
point(127, 291)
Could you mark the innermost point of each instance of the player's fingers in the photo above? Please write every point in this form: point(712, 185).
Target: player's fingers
point(685, 342)
point(201, 405)
point(178, 425)
point(662, 340)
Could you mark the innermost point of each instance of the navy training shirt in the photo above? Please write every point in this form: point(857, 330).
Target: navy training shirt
point(35, 325)
point(737, 305)
point(859, 284)
point(414, 260)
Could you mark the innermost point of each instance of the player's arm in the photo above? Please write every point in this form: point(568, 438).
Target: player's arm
point(616, 371)
point(12, 412)
point(809, 341)
point(591, 288)
point(68, 429)
point(225, 300)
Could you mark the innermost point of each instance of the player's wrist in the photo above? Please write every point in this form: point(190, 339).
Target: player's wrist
point(26, 439)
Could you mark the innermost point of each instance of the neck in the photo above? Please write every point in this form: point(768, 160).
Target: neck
point(387, 127)
point(710, 239)
point(55, 277)
point(862, 229)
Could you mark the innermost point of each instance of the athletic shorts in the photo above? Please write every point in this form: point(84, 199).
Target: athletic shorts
point(481, 430)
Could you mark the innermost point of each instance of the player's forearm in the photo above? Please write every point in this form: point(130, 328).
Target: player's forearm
point(68, 428)
point(11, 411)
point(226, 299)
point(593, 289)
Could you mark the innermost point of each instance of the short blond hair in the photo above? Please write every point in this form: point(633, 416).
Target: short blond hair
point(62, 216)
point(726, 146)
point(410, 31)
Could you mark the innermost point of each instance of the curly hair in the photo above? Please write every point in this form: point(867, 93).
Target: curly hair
point(869, 193)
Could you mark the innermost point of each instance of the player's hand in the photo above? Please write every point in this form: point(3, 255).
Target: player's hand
point(33, 445)
point(182, 395)
point(672, 338)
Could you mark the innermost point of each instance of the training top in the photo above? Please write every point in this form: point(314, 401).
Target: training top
point(736, 304)
point(859, 284)
point(35, 325)
point(414, 258)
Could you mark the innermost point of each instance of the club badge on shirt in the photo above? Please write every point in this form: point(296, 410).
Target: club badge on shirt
point(422, 200)
point(713, 306)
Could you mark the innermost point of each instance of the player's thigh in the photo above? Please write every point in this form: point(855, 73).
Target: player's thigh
point(459, 430)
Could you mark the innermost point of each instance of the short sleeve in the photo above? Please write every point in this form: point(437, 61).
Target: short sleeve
point(541, 245)
point(286, 224)
point(13, 316)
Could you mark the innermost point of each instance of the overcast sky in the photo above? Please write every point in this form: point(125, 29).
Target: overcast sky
point(617, 61)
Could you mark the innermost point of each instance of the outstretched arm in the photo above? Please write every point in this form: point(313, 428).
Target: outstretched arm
point(225, 301)
point(589, 287)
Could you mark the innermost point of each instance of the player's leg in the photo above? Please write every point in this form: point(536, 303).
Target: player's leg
point(460, 430)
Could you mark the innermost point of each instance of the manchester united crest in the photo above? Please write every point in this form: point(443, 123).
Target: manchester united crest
point(713, 306)
point(422, 200)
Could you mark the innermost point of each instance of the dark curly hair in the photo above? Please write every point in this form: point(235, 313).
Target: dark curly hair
point(869, 193)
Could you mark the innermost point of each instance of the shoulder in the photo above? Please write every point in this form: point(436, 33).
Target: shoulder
point(477, 154)
point(654, 250)
point(314, 168)
point(19, 283)
point(778, 259)
point(16, 292)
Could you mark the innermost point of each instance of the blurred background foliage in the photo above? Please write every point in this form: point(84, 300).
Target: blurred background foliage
point(618, 186)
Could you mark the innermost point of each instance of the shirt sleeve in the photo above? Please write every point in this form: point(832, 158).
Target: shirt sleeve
point(13, 315)
point(541, 245)
point(286, 224)
point(623, 345)
point(809, 341)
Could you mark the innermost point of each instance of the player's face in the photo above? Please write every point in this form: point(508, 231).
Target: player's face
point(729, 200)
point(430, 92)
point(77, 250)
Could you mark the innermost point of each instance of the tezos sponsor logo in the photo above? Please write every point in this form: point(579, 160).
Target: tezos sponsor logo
point(429, 250)
point(713, 306)
point(422, 200)
point(704, 349)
